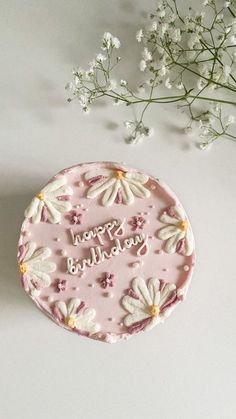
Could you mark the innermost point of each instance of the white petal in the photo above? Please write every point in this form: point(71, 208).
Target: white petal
point(98, 172)
point(32, 208)
point(36, 217)
point(154, 321)
point(127, 195)
point(171, 243)
point(64, 190)
point(167, 232)
point(54, 216)
point(132, 304)
point(110, 194)
point(41, 254)
point(35, 293)
point(137, 316)
point(54, 185)
point(30, 248)
point(61, 305)
point(138, 177)
point(73, 306)
point(168, 311)
point(44, 266)
point(98, 188)
point(140, 288)
point(84, 322)
point(179, 212)
point(153, 288)
point(157, 298)
point(139, 190)
point(165, 218)
point(61, 206)
point(189, 242)
point(41, 278)
point(165, 294)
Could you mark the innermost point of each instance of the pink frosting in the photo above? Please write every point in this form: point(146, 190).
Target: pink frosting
point(124, 266)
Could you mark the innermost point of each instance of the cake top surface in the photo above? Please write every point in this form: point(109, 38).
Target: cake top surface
point(106, 251)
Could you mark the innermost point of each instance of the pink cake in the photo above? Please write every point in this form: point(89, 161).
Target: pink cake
point(106, 251)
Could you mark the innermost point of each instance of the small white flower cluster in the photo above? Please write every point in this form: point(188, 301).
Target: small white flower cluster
point(190, 55)
point(90, 84)
point(212, 125)
point(110, 41)
point(138, 131)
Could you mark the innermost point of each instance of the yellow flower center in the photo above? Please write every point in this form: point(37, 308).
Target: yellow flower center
point(40, 196)
point(119, 174)
point(183, 225)
point(154, 310)
point(23, 267)
point(71, 322)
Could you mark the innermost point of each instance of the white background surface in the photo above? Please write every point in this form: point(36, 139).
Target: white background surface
point(183, 369)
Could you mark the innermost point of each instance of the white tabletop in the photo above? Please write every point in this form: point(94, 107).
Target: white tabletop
point(183, 369)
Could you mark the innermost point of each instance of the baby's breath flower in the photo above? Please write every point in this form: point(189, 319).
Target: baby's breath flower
point(168, 83)
point(128, 124)
point(163, 70)
point(112, 84)
point(142, 65)
point(139, 35)
point(116, 42)
point(195, 53)
point(163, 29)
point(189, 131)
point(154, 26)
point(161, 13)
point(201, 83)
point(230, 120)
point(93, 64)
point(109, 41)
point(219, 18)
point(179, 85)
point(232, 40)
point(100, 58)
point(175, 35)
point(204, 146)
point(147, 56)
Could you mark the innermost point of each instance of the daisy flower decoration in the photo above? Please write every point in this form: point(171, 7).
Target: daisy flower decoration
point(50, 202)
point(148, 304)
point(75, 316)
point(34, 267)
point(116, 186)
point(177, 233)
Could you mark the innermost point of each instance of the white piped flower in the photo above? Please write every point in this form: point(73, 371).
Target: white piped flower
point(74, 316)
point(148, 304)
point(116, 186)
point(34, 267)
point(177, 233)
point(50, 202)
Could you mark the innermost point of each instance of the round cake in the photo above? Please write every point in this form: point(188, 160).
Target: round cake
point(106, 251)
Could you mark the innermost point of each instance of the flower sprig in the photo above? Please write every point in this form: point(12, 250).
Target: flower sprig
point(186, 59)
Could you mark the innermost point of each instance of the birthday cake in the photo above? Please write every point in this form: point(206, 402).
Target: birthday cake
point(106, 251)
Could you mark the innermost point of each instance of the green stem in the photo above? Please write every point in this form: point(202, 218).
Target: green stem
point(205, 78)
